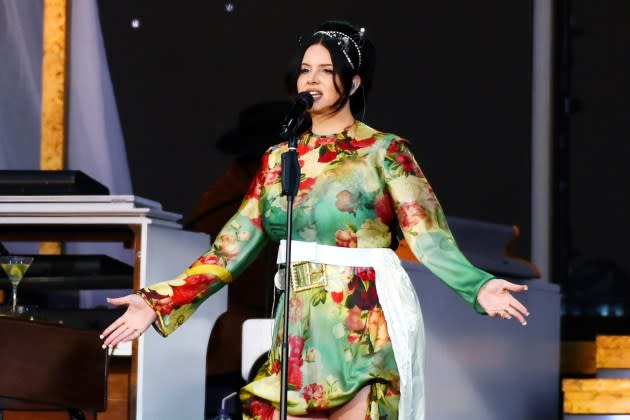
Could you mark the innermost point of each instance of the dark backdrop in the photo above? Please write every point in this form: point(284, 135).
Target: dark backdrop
point(599, 144)
point(454, 77)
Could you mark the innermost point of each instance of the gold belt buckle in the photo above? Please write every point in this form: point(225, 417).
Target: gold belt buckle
point(307, 275)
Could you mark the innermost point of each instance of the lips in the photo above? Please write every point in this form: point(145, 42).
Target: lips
point(315, 94)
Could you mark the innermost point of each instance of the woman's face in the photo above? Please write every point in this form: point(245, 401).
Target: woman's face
point(317, 78)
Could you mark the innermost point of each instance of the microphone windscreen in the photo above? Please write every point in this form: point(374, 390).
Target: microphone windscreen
point(305, 98)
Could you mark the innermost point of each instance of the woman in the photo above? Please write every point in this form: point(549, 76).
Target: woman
point(355, 328)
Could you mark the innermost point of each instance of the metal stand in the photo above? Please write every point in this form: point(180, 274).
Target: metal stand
point(290, 184)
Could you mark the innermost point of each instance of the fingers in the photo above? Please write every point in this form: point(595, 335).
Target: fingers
point(124, 300)
point(121, 333)
point(117, 336)
point(513, 287)
point(519, 307)
point(128, 335)
point(511, 312)
point(112, 327)
point(514, 310)
point(136, 319)
point(511, 307)
point(117, 331)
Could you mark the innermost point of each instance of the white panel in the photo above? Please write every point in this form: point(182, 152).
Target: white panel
point(172, 370)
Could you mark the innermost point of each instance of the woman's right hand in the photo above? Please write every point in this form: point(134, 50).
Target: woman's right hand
point(136, 319)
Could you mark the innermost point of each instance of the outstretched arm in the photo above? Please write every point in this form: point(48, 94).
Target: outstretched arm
point(170, 303)
point(425, 228)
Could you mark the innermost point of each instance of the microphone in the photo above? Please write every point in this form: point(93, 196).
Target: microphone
point(303, 102)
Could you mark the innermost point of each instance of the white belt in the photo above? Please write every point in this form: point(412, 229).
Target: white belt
point(333, 255)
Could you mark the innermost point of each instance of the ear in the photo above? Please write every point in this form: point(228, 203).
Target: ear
point(356, 82)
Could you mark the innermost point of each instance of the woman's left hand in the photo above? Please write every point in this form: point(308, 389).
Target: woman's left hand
point(495, 298)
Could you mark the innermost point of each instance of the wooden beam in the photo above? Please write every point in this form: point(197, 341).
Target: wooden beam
point(53, 134)
point(54, 84)
point(613, 352)
point(596, 396)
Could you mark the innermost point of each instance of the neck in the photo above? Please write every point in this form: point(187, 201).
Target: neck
point(331, 123)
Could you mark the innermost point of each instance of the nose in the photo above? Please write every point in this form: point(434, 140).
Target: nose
point(312, 78)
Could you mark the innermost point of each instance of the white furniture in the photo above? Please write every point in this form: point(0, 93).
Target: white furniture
point(482, 368)
point(168, 375)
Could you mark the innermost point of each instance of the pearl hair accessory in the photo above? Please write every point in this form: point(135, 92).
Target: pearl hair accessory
point(344, 42)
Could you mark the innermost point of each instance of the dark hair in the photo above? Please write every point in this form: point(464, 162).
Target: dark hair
point(363, 66)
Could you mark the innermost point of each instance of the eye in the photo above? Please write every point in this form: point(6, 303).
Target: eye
point(329, 71)
point(304, 70)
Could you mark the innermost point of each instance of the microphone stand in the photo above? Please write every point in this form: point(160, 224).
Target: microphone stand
point(290, 184)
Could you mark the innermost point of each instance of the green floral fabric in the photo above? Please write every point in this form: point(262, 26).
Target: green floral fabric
point(355, 187)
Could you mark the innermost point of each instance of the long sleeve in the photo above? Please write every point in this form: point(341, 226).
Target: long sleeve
point(424, 224)
point(235, 247)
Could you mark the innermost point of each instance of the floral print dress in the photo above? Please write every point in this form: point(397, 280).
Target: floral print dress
point(355, 187)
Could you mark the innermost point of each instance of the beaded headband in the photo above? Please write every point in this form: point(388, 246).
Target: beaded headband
point(344, 42)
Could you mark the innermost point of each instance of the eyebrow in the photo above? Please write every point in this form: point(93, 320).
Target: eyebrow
point(321, 65)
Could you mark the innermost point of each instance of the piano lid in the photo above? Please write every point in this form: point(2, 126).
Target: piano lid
point(84, 205)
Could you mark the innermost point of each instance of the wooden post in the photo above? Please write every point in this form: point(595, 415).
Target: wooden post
point(53, 135)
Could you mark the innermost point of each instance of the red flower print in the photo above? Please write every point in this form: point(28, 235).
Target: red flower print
point(195, 286)
point(407, 162)
point(346, 238)
point(337, 297)
point(363, 293)
point(273, 175)
point(394, 147)
point(257, 221)
point(261, 410)
point(307, 184)
point(294, 378)
point(363, 142)
point(301, 149)
point(255, 188)
point(367, 299)
point(412, 213)
point(296, 346)
point(264, 161)
point(322, 141)
point(275, 366)
point(383, 208)
point(209, 259)
point(326, 155)
point(315, 393)
point(346, 145)
point(365, 273)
